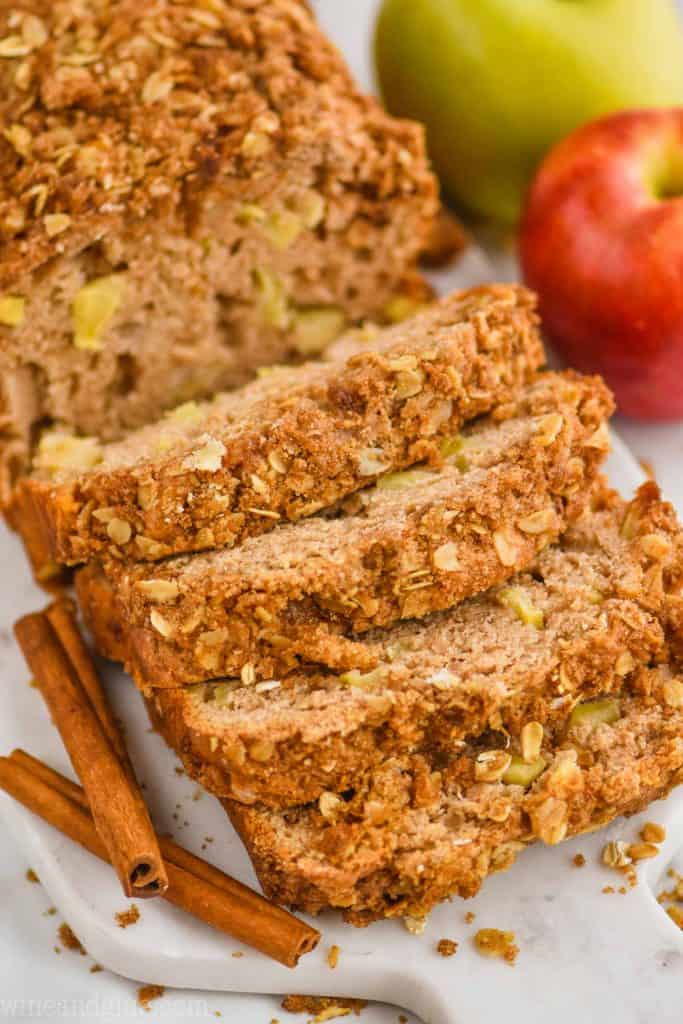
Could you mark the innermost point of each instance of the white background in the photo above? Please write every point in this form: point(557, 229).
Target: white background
point(29, 967)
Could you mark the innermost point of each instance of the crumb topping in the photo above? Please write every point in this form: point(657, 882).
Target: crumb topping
point(121, 108)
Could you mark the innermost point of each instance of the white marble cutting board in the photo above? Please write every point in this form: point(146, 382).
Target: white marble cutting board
point(579, 947)
point(584, 956)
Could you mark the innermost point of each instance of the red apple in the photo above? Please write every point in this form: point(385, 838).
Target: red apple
point(601, 241)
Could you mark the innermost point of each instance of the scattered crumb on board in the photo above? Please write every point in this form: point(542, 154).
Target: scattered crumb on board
point(674, 897)
point(147, 993)
point(127, 917)
point(323, 1005)
point(651, 832)
point(68, 939)
point(333, 956)
point(31, 876)
point(496, 943)
point(447, 947)
point(578, 860)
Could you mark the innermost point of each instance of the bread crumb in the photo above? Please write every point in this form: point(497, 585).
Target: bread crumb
point(494, 942)
point(608, 889)
point(642, 851)
point(469, 917)
point(68, 939)
point(676, 915)
point(333, 956)
point(31, 876)
point(402, 1019)
point(672, 895)
point(147, 993)
point(237, 954)
point(631, 875)
point(96, 968)
point(321, 1004)
point(50, 912)
point(651, 832)
point(447, 947)
point(578, 860)
point(127, 917)
point(331, 1013)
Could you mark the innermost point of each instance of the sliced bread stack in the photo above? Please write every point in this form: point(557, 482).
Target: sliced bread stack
point(386, 608)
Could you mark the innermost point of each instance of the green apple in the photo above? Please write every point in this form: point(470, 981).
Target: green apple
point(497, 82)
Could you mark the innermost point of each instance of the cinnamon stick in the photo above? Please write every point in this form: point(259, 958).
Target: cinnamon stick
point(118, 809)
point(61, 617)
point(195, 886)
point(171, 850)
point(25, 519)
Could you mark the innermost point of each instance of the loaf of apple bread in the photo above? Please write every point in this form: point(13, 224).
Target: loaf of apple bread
point(187, 191)
point(283, 447)
point(590, 614)
point(422, 540)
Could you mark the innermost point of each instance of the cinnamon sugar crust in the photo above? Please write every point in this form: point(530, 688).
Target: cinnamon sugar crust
point(418, 542)
point(290, 444)
point(592, 612)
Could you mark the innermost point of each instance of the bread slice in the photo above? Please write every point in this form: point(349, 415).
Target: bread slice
point(419, 829)
point(420, 541)
point(186, 193)
point(589, 614)
point(289, 444)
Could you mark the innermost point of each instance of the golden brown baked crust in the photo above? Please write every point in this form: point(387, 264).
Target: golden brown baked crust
point(124, 109)
point(293, 442)
point(419, 542)
point(590, 614)
point(217, 173)
point(419, 829)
